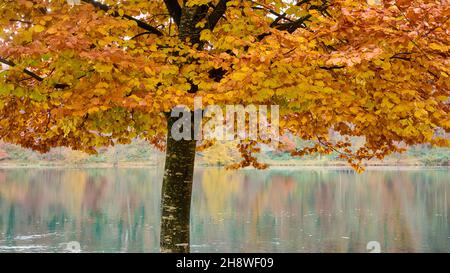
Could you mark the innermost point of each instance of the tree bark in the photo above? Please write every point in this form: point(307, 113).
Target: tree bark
point(176, 193)
point(179, 165)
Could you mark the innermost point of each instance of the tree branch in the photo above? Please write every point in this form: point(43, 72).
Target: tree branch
point(140, 23)
point(274, 13)
point(279, 16)
point(26, 71)
point(33, 75)
point(174, 10)
point(333, 67)
point(283, 16)
point(201, 13)
point(140, 34)
point(21, 21)
point(289, 26)
point(292, 26)
point(405, 56)
point(216, 14)
point(101, 6)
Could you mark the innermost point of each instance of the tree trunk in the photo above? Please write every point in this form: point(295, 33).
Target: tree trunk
point(176, 193)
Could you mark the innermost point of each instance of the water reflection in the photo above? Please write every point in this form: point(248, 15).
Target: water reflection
point(105, 210)
point(117, 210)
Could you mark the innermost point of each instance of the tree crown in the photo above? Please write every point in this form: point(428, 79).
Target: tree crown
point(100, 72)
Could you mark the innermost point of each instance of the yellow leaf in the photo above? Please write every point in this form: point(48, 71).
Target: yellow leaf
point(38, 28)
point(52, 30)
point(93, 110)
point(435, 46)
point(420, 113)
point(101, 85)
point(205, 35)
point(100, 91)
point(136, 98)
point(29, 4)
point(238, 76)
point(148, 71)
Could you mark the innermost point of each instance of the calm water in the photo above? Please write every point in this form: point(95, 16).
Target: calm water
point(318, 210)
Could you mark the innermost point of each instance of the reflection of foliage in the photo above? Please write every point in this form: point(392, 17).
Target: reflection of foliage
point(272, 210)
point(312, 210)
point(103, 209)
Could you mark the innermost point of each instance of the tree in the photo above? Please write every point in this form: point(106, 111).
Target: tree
point(105, 72)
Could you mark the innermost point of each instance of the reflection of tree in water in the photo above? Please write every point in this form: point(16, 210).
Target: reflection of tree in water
point(324, 210)
point(10, 230)
point(105, 210)
point(309, 210)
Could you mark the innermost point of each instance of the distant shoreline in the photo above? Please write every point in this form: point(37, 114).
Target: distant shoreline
point(277, 165)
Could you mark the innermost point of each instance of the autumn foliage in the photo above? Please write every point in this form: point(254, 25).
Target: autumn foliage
point(100, 73)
